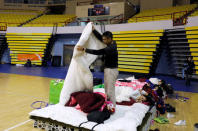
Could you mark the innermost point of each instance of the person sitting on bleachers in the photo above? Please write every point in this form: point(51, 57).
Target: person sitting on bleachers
point(28, 63)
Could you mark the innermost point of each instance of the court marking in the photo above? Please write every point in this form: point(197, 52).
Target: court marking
point(20, 124)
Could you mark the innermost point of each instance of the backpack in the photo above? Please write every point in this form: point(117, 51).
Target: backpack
point(97, 116)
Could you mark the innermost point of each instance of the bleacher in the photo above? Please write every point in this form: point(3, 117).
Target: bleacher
point(17, 11)
point(192, 36)
point(14, 20)
point(194, 13)
point(162, 14)
point(137, 50)
point(25, 46)
point(50, 20)
point(183, 43)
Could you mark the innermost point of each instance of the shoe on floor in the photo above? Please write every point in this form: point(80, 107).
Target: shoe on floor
point(180, 123)
point(169, 115)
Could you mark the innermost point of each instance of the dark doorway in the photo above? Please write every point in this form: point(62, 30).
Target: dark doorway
point(67, 54)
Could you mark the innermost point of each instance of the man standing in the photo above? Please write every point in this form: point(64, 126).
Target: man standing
point(110, 62)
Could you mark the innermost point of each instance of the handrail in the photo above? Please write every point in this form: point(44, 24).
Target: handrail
point(98, 20)
point(3, 27)
point(122, 18)
point(181, 20)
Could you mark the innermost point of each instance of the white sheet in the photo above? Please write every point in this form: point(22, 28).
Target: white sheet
point(79, 77)
point(126, 118)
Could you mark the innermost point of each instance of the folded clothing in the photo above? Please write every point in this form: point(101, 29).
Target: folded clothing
point(161, 120)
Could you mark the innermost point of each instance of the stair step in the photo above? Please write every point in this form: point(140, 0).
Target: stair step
point(176, 42)
point(178, 34)
point(180, 47)
point(181, 55)
point(182, 51)
point(175, 30)
point(184, 38)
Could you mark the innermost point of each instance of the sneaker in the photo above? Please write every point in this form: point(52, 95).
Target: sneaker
point(169, 115)
point(180, 123)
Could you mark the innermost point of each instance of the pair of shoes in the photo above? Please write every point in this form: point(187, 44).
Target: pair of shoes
point(180, 123)
point(169, 115)
point(161, 120)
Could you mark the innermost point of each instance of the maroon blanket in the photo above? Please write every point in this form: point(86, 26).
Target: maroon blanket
point(88, 101)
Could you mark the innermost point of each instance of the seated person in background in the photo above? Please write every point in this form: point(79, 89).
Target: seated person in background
point(28, 63)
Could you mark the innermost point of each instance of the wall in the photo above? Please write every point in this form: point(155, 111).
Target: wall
point(68, 39)
point(192, 21)
point(29, 30)
point(135, 2)
point(153, 4)
point(71, 7)
point(183, 2)
point(128, 10)
point(115, 9)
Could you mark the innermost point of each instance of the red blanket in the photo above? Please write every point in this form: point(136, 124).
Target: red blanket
point(87, 101)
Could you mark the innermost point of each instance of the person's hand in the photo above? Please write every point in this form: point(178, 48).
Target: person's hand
point(80, 48)
point(93, 28)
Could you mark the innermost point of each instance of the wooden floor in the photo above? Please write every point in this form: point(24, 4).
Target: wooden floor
point(18, 92)
point(184, 111)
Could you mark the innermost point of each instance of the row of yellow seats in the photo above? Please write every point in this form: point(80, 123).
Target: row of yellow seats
point(15, 15)
point(158, 11)
point(33, 11)
point(175, 8)
point(51, 20)
point(164, 11)
point(192, 35)
point(194, 13)
point(44, 25)
point(136, 49)
point(22, 62)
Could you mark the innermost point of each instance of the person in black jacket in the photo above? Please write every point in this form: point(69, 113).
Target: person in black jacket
point(188, 69)
point(110, 54)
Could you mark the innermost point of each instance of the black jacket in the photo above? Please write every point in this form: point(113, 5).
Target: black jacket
point(110, 53)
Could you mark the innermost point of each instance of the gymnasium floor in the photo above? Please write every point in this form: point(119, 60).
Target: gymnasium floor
point(21, 86)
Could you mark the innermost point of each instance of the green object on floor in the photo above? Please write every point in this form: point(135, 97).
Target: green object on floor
point(99, 86)
point(55, 90)
point(161, 120)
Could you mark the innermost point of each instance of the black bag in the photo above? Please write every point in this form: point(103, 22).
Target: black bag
point(98, 117)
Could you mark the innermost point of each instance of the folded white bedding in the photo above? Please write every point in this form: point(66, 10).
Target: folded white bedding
point(126, 118)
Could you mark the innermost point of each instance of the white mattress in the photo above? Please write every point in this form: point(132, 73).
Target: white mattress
point(126, 118)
